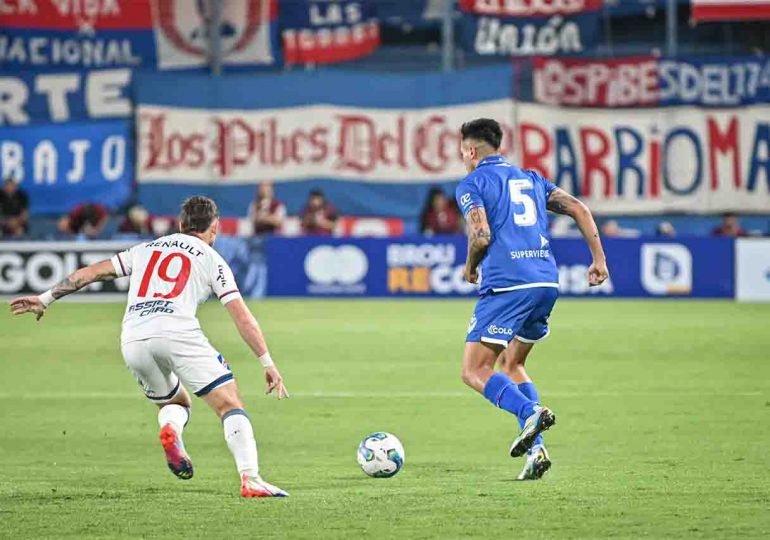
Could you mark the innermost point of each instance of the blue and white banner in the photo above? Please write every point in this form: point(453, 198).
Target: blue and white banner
point(647, 81)
point(420, 267)
point(60, 35)
point(500, 28)
point(61, 165)
point(40, 97)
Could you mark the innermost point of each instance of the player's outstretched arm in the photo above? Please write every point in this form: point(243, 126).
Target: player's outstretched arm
point(251, 333)
point(479, 238)
point(562, 202)
point(101, 271)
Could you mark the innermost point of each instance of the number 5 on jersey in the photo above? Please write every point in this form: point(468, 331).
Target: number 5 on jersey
point(516, 187)
point(179, 280)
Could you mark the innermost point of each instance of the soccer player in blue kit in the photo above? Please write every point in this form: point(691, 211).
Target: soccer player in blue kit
point(509, 255)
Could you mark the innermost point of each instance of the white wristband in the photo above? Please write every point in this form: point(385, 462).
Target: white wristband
point(266, 360)
point(46, 298)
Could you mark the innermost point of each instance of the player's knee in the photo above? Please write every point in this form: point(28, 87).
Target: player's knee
point(469, 376)
point(183, 399)
point(229, 404)
point(227, 410)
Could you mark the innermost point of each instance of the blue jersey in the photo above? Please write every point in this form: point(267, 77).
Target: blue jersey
point(519, 256)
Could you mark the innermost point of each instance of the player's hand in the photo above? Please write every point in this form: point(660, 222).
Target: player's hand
point(27, 304)
point(597, 273)
point(471, 275)
point(275, 382)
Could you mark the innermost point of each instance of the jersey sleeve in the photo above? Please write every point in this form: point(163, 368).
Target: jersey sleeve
point(548, 186)
point(222, 280)
point(123, 262)
point(468, 196)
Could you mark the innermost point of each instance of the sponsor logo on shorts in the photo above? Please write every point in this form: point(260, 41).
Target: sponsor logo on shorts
point(495, 330)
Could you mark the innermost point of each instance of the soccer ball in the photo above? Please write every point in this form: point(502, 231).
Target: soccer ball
point(381, 455)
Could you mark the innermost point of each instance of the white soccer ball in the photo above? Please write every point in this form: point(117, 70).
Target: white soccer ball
point(381, 455)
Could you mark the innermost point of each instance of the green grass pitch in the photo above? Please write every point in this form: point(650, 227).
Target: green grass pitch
point(663, 427)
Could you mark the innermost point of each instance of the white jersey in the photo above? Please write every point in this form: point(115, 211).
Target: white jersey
point(170, 277)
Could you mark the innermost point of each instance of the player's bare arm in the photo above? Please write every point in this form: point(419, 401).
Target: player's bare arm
point(479, 239)
point(561, 202)
point(101, 271)
point(251, 333)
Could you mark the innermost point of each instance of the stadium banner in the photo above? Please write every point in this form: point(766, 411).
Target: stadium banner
point(248, 33)
point(323, 32)
point(535, 27)
point(752, 269)
point(34, 97)
point(730, 10)
point(433, 267)
point(35, 267)
point(373, 153)
point(378, 153)
point(679, 159)
point(61, 165)
point(647, 81)
point(56, 35)
point(51, 35)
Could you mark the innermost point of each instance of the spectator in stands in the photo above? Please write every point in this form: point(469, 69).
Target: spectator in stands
point(137, 221)
point(610, 229)
point(319, 217)
point(14, 209)
point(730, 226)
point(266, 213)
point(665, 229)
point(439, 216)
point(87, 218)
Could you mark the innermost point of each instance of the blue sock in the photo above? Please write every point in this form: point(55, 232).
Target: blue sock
point(529, 390)
point(502, 392)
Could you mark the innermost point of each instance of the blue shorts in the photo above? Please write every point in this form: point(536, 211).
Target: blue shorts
point(521, 314)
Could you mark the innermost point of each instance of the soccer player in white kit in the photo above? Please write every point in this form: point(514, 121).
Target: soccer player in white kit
point(162, 341)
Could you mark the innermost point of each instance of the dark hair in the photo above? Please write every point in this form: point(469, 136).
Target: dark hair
point(434, 192)
point(483, 129)
point(197, 215)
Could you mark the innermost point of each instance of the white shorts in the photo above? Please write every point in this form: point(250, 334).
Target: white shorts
point(159, 364)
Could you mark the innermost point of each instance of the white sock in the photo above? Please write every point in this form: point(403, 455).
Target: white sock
point(240, 440)
point(174, 414)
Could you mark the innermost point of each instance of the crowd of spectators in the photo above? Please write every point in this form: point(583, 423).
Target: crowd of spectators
point(268, 215)
point(14, 210)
